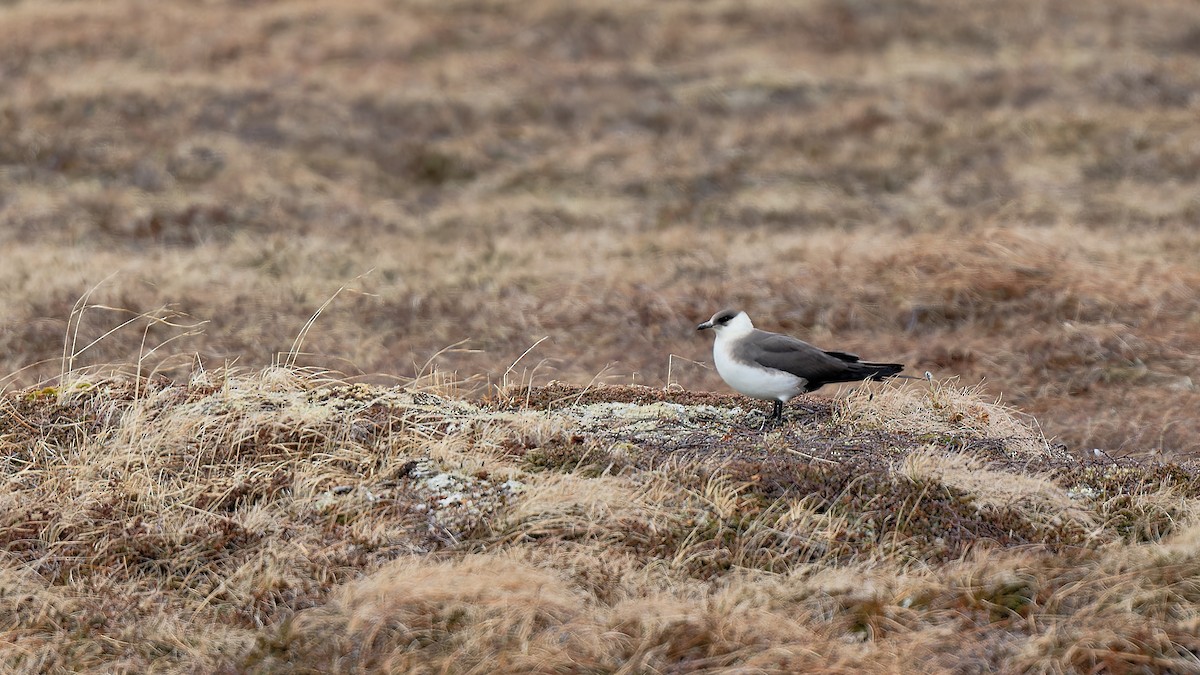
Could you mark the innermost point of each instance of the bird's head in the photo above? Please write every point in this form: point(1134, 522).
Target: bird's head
point(728, 321)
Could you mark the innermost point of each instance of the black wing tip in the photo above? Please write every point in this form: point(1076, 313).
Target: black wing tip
point(843, 356)
point(884, 369)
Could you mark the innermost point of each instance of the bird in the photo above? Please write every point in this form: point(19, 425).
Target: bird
point(775, 367)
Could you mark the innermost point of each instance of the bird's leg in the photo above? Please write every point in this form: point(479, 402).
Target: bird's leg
point(777, 414)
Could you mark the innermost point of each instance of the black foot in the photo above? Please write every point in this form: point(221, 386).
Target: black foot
point(776, 416)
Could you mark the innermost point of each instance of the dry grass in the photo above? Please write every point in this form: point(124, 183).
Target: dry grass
point(1001, 194)
point(283, 520)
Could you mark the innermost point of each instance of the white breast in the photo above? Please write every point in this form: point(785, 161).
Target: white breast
point(753, 380)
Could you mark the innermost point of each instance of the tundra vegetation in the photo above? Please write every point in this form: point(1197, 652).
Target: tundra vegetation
point(497, 446)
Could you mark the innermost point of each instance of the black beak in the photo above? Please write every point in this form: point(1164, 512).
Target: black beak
point(706, 324)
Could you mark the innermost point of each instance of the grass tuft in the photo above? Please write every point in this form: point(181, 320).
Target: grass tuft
point(286, 519)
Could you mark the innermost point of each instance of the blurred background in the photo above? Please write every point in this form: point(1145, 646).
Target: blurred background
point(1007, 193)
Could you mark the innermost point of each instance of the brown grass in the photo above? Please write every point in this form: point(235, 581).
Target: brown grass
point(469, 195)
point(1001, 194)
point(282, 520)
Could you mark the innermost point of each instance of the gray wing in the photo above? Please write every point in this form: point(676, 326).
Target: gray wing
point(796, 357)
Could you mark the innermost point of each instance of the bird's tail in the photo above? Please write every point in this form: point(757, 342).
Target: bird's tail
point(876, 371)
